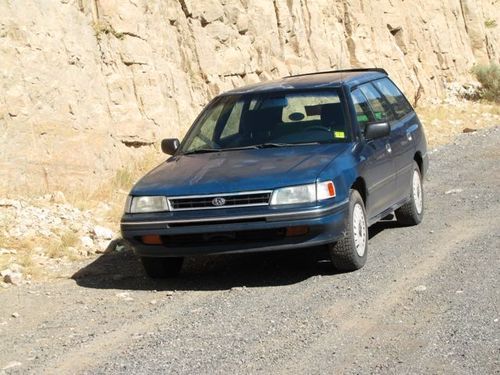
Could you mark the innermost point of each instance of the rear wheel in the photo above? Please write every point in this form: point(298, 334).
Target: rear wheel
point(412, 212)
point(349, 254)
point(162, 268)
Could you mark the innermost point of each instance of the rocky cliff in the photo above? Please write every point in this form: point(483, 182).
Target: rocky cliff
point(88, 85)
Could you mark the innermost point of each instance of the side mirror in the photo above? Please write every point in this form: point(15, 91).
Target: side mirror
point(170, 145)
point(377, 130)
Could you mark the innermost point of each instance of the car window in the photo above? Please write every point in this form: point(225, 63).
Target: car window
point(364, 115)
point(381, 109)
point(399, 104)
point(203, 136)
point(294, 117)
point(306, 107)
point(233, 121)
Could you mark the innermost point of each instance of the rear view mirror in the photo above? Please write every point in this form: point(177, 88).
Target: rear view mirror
point(377, 130)
point(170, 145)
point(274, 102)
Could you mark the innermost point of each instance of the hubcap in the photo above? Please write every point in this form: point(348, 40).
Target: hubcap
point(359, 229)
point(417, 192)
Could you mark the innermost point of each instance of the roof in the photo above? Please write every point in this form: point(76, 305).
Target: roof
point(317, 80)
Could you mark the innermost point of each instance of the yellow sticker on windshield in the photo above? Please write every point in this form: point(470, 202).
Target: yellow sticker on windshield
point(337, 134)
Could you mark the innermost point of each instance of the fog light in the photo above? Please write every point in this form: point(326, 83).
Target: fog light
point(151, 239)
point(297, 231)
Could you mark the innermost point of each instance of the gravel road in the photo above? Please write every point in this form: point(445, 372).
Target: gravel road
point(426, 302)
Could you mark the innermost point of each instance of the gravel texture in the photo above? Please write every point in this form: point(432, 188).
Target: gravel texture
point(427, 300)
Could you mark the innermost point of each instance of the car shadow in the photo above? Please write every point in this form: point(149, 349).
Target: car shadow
point(382, 225)
point(123, 270)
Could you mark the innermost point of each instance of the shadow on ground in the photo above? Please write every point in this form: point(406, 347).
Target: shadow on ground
point(382, 225)
point(123, 270)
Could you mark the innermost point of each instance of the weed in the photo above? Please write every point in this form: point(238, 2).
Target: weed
point(489, 78)
point(490, 23)
point(59, 249)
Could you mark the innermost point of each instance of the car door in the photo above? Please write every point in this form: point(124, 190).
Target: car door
point(378, 166)
point(404, 124)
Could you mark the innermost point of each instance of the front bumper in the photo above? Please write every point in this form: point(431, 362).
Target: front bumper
point(234, 230)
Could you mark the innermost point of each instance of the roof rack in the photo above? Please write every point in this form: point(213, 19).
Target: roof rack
point(380, 70)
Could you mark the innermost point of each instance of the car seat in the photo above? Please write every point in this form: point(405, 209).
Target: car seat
point(260, 124)
point(332, 117)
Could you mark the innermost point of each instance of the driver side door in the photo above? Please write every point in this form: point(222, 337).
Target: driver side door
point(378, 163)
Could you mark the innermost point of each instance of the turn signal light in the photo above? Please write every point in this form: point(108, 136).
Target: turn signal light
point(331, 188)
point(151, 239)
point(325, 190)
point(297, 231)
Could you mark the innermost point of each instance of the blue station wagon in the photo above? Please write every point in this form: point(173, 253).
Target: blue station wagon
point(307, 160)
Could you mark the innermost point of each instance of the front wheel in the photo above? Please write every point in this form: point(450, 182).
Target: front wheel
point(350, 253)
point(162, 268)
point(412, 212)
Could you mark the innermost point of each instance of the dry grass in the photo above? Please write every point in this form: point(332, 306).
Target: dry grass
point(24, 256)
point(26, 249)
point(114, 192)
point(30, 267)
point(60, 248)
point(444, 122)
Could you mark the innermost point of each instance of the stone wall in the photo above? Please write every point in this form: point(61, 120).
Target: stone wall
point(87, 86)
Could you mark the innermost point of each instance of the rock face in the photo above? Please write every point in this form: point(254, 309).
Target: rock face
point(88, 85)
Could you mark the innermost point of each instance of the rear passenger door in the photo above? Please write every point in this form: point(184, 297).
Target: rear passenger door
point(404, 124)
point(378, 168)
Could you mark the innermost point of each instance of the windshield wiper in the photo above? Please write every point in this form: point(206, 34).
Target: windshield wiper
point(251, 147)
point(206, 150)
point(273, 144)
point(202, 151)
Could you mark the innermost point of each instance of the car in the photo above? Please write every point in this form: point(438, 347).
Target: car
point(306, 160)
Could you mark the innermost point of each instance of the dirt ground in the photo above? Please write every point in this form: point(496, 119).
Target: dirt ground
point(427, 300)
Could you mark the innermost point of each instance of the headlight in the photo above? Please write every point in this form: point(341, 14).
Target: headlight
point(303, 193)
point(146, 204)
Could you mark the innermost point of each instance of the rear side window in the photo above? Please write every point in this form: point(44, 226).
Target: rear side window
point(381, 109)
point(394, 97)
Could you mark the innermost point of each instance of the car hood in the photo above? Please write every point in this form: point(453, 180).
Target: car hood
point(238, 170)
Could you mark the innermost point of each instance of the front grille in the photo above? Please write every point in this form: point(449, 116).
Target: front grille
point(258, 198)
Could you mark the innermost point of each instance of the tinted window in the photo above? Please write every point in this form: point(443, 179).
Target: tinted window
point(234, 121)
point(380, 108)
point(364, 114)
point(398, 102)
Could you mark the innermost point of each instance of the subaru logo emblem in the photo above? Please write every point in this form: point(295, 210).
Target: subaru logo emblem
point(219, 201)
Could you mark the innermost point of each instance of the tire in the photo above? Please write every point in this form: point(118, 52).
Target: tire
point(162, 268)
point(412, 212)
point(350, 253)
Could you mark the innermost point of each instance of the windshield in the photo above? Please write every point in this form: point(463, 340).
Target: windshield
point(268, 120)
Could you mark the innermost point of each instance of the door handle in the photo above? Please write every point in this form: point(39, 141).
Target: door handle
point(388, 147)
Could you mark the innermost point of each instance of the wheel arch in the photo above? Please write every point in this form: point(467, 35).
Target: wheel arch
point(360, 185)
point(420, 162)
